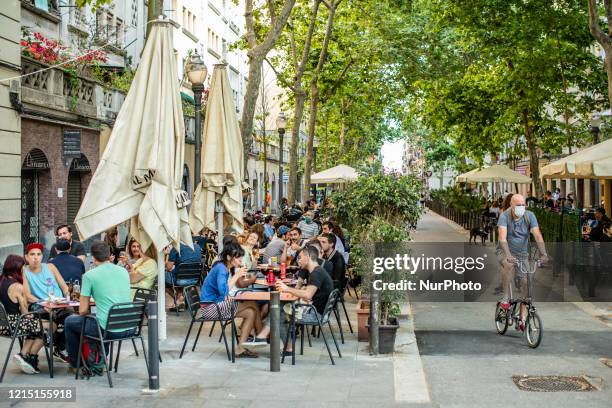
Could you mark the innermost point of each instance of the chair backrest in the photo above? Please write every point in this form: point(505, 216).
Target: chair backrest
point(126, 316)
point(4, 321)
point(192, 299)
point(188, 270)
point(331, 303)
point(145, 295)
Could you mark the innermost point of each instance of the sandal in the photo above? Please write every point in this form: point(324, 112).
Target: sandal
point(247, 354)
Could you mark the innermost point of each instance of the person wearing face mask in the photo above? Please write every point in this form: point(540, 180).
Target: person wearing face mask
point(308, 227)
point(515, 226)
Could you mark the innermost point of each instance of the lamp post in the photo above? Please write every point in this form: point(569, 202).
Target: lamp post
point(281, 125)
point(197, 72)
point(315, 146)
point(595, 123)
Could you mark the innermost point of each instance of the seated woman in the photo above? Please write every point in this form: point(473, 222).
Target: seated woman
point(15, 304)
point(250, 244)
point(40, 281)
point(144, 271)
point(214, 297)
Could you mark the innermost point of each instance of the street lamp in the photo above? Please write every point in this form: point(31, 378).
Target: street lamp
point(595, 123)
point(281, 125)
point(315, 145)
point(197, 72)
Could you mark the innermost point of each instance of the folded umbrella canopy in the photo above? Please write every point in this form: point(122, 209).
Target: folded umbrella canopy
point(139, 175)
point(339, 174)
point(222, 160)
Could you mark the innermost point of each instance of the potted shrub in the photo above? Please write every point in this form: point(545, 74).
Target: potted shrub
point(384, 240)
point(376, 209)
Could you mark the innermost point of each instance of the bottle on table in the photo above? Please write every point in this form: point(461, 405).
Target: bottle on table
point(76, 291)
point(283, 270)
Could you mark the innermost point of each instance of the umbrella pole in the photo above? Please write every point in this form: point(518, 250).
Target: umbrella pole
point(219, 210)
point(161, 294)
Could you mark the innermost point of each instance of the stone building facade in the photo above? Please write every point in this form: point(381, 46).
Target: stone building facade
point(10, 129)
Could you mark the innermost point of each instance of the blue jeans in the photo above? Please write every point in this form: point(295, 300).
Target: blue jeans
point(72, 332)
point(171, 280)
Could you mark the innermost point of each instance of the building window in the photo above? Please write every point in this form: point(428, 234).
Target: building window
point(100, 24)
point(110, 33)
point(134, 13)
point(119, 32)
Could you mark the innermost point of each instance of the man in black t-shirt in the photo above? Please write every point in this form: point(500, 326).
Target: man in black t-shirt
point(76, 248)
point(317, 291)
point(338, 274)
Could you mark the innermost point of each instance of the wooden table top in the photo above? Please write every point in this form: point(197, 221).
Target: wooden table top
point(287, 281)
point(261, 295)
point(266, 267)
point(53, 305)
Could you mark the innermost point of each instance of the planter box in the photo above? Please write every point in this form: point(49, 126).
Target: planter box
point(363, 315)
point(386, 336)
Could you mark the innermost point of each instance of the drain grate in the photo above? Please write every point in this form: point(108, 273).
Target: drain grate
point(552, 383)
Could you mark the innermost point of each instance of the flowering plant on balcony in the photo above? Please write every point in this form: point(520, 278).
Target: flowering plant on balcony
point(52, 52)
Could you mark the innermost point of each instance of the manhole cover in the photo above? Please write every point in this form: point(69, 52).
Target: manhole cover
point(552, 383)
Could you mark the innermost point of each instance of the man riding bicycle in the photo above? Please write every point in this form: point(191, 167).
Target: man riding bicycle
point(514, 226)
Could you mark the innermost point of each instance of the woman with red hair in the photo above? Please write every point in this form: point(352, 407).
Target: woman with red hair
point(15, 303)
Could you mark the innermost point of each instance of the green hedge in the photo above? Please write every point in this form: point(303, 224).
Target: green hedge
point(558, 227)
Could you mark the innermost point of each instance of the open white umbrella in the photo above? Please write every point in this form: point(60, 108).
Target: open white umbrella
point(222, 161)
point(497, 173)
point(463, 177)
point(339, 174)
point(593, 162)
point(139, 175)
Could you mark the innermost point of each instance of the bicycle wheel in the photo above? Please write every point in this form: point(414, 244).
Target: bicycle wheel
point(501, 319)
point(533, 329)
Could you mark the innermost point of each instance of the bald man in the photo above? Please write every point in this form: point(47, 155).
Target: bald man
point(514, 226)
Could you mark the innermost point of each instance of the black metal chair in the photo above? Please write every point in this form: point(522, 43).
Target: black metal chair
point(329, 308)
point(185, 271)
point(341, 286)
point(142, 295)
point(14, 334)
point(121, 317)
point(192, 298)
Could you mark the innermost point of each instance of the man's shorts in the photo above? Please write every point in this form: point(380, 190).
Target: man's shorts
point(524, 268)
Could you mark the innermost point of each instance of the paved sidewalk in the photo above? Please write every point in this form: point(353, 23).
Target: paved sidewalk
point(206, 378)
point(467, 364)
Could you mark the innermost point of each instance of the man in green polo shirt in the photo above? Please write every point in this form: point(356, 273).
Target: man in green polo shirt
point(107, 284)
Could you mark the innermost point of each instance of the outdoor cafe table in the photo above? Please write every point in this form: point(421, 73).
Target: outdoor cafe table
point(52, 307)
point(266, 295)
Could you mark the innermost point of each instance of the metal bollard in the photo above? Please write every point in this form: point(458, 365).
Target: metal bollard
point(275, 332)
point(153, 339)
point(374, 322)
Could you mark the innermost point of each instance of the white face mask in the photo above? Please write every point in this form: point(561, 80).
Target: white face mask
point(519, 210)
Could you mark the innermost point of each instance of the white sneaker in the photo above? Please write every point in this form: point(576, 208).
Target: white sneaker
point(24, 365)
point(254, 343)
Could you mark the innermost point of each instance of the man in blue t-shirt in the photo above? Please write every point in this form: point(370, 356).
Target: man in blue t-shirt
point(69, 266)
point(515, 226)
point(172, 261)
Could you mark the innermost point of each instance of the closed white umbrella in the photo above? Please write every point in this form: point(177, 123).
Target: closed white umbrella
point(222, 161)
point(139, 175)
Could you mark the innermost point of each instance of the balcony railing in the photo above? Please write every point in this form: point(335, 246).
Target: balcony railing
point(54, 89)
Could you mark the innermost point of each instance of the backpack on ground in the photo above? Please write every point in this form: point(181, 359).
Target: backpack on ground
point(92, 359)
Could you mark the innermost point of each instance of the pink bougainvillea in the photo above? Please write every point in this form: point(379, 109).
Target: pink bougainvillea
point(53, 52)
